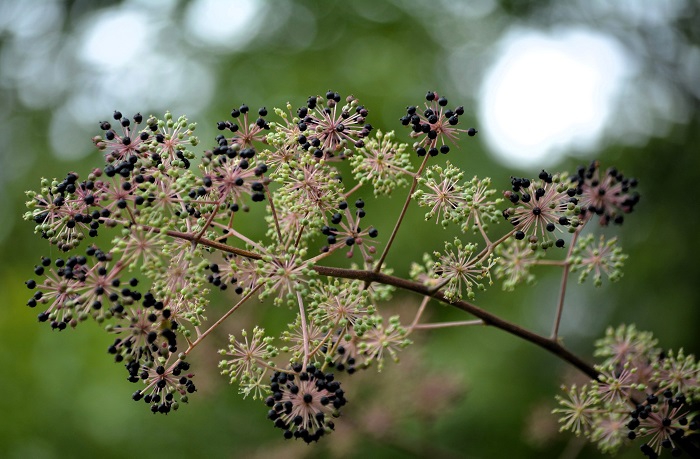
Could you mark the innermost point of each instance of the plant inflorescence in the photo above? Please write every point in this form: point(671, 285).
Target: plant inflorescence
point(175, 224)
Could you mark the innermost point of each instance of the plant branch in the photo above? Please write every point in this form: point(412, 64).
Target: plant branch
point(548, 344)
point(489, 319)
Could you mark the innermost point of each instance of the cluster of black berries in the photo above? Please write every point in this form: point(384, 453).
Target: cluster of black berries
point(666, 423)
point(68, 189)
point(344, 360)
point(163, 383)
point(110, 134)
point(67, 185)
point(71, 275)
point(215, 278)
point(144, 328)
point(542, 207)
point(608, 196)
point(123, 168)
point(302, 402)
point(257, 187)
point(260, 122)
point(351, 234)
point(231, 149)
point(434, 121)
point(308, 122)
point(131, 143)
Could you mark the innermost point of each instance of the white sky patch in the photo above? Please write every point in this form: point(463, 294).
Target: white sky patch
point(115, 39)
point(549, 93)
point(224, 24)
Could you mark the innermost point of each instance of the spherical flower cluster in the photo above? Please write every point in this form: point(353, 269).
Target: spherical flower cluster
point(130, 143)
point(75, 289)
point(170, 140)
point(660, 387)
point(443, 193)
point(514, 263)
point(460, 268)
point(349, 233)
point(162, 384)
point(66, 212)
point(383, 341)
point(303, 401)
point(543, 208)
point(609, 196)
point(228, 179)
point(383, 162)
point(249, 359)
point(326, 131)
point(598, 258)
point(480, 208)
point(434, 125)
point(245, 132)
point(146, 332)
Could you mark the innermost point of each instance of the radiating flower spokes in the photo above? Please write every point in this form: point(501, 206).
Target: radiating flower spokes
point(460, 269)
point(576, 410)
point(383, 162)
point(247, 357)
point(609, 196)
point(598, 258)
point(434, 125)
point(443, 193)
point(542, 208)
point(515, 259)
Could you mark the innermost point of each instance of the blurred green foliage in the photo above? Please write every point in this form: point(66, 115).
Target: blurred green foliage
point(62, 395)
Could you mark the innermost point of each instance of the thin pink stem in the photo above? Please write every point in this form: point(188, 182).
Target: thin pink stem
point(304, 329)
point(414, 184)
point(459, 323)
point(562, 287)
point(274, 214)
point(221, 319)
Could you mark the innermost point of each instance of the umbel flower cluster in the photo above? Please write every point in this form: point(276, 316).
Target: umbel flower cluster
point(641, 392)
point(149, 235)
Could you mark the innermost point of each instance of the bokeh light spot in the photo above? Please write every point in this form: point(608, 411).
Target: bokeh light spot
point(549, 94)
point(115, 38)
point(224, 24)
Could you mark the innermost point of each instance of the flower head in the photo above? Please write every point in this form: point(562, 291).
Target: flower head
point(326, 131)
point(598, 258)
point(609, 196)
point(163, 382)
point(245, 131)
point(383, 162)
point(127, 143)
point(302, 402)
point(434, 125)
point(577, 409)
point(541, 209)
point(461, 269)
point(514, 262)
point(349, 233)
point(443, 194)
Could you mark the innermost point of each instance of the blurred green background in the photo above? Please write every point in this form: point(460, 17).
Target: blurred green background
point(474, 393)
